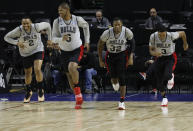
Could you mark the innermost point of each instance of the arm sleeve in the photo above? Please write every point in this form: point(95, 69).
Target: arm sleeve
point(129, 36)
point(11, 36)
point(83, 24)
point(175, 35)
point(105, 36)
point(44, 26)
point(56, 36)
point(132, 45)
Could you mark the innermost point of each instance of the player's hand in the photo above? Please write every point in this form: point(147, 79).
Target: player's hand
point(49, 44)
point(101, 63)
point(158, 54)
point(21, 45)
point(56, 46)
point(87, 46)
point(130, 62)
point(185, 47)
point(65, 37)
point(149, 62)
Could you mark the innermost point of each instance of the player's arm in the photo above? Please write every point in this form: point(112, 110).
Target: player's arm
point(152, 49)
point(83, 24)
point(44, 26)
point(56, 36)
point(182, 35)
point(130, 37)
point(11, 36)
point(153, 52)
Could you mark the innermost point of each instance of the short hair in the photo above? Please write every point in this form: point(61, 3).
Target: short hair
point(117, 19)
point(160, 27)
point(64, 5)
point(26, 17)
point(153, 8)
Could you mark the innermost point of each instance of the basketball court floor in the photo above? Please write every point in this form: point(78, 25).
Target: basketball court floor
point(99, 113)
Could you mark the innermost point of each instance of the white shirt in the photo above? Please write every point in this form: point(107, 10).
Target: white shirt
point(166, 47)
point(32, 40)
point(70, 28)
point(116, 43)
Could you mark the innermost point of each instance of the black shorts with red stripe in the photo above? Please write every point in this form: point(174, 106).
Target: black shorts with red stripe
point(29, 60)
point(116, 65)
point(161, 70)
point(71, 56)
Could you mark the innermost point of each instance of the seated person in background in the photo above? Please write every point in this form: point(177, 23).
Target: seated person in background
point(87, 68)
point(153, 19)
point(100, 21)
point(58, 76)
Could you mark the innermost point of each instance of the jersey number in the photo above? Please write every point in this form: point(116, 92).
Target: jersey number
point(69, 38)
point(31, 42)
point(115, 48)
point(163, 51)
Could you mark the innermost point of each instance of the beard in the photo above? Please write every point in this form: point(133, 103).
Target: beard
point(153, 17)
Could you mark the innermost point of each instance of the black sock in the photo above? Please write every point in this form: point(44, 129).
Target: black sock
point(76, 85)
point(122, 99)
point(40, 85)
point(164, 96)
point(28, 88)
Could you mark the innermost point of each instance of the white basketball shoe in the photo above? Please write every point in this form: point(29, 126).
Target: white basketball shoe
point(164, 102)
point(28, 96)
point(121, 105)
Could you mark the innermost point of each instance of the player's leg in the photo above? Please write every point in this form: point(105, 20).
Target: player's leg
point(122, 97)
point(151, 76)
point(161, 83)
point(27, 64)
point(74, 74)
point(121, 69)
point(70, 81)
point(73, 71)
point(169, 75)
point(111, 68)
point(122, 92)
point(28, 88)
point(156, 72)
point(39, 75)
point(115, 83)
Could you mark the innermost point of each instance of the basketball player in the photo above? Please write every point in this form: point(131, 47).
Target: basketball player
point(161, 45)
point(115, 39)
point(66, 33)
point(28, 38)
